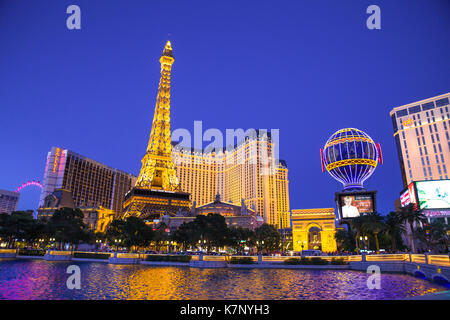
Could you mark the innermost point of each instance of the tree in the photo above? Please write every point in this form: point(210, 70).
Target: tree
point(357, 225)
point(212, 229)
point(344, 240)
point(269, 235)
point(185, 235)
point(160, 235)
point(373, 224)
point(411, 216)
point(115, 233)
point(433, 237)
point(136, 233)
point(20, 225)
point(239, 237)
point(66, 226)
point(132, 233)
point(393, 228)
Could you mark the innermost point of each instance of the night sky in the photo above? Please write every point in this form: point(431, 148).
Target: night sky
point(308, 68)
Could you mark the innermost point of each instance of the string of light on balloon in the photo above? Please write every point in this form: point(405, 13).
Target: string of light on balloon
point(353, 163)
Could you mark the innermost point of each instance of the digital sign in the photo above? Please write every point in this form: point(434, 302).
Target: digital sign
point(433, 194)
point(352, 205)
point(405, 198)
point(408, 196)
point(55, 163)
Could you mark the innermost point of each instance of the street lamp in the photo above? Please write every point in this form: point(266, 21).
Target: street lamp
point(365, 241)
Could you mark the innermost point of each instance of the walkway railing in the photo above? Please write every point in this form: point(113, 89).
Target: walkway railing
point(433, 259)
point(8, 250)
point(418, 258)
point(387, 257)
point(439, 260)
point(59, 253)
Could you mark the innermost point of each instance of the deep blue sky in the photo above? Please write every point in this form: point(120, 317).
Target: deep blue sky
point(307, 68)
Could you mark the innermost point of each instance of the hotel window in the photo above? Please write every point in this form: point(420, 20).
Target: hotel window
point(414, 109)
point(402, 113)
point(424, 171)
point(442, 102)
point(428, 106)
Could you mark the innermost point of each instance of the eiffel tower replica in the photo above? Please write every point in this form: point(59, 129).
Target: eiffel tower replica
point(157, 190)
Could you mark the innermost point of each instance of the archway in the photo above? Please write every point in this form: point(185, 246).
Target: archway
point(441, 279)
point(419, 274)
point(314, 238)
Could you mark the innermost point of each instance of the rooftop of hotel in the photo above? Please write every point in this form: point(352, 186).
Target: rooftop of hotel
point(423, 105)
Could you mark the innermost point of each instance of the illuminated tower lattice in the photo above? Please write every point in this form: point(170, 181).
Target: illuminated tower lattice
point(157, 190)
point(158, 170)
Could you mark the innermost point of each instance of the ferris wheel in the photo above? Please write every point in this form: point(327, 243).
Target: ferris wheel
point(28, 184)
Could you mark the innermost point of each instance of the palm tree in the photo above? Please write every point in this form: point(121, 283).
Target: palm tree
point(433, 237)
point(393, 226)
point(341, 236)
point(411, 216)
point(373, 223)
point(357, 226)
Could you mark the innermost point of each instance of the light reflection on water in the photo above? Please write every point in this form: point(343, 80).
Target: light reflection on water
point(38, 279)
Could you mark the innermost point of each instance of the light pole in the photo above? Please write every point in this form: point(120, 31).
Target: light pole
point(259, 245)
point(365, 241)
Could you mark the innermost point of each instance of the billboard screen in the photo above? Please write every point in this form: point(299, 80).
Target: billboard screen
point(405, 198)
point(408, 196)
point(352, 205)
point(433, 194)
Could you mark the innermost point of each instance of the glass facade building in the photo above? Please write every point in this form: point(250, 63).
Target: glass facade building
point(8, 201)
point(421, 133)
point(92, 184)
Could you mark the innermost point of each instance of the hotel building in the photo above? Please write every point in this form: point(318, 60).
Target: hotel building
point(421, 132)
point(8, 201)
point(91, 183)
point(248, 172)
